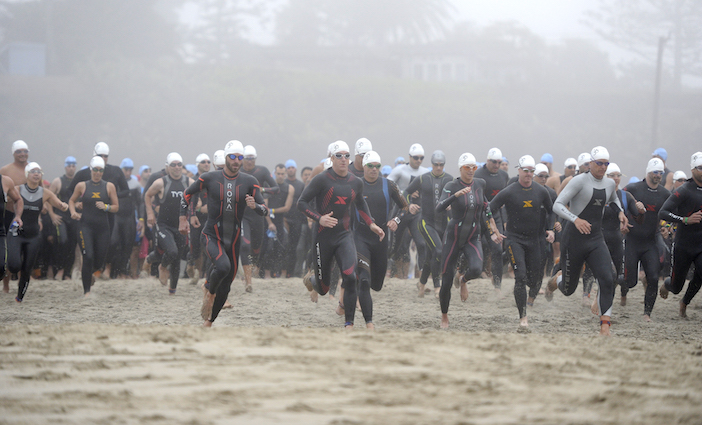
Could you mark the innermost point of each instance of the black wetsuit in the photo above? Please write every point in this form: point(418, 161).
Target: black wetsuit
point(254, 225)
point(587, 197)
point(335, 194)
point(23, 247)
point(66, 232)
point(430, 224)
point(295, 219)
point(462, 235)
point(275, 246)
point(613, 235)
point(494, 183)
point(524, 233)
point(124, 233)
point(196, 232)
point(641, 241)
point(170, 243)
point(94, 230)
point(380, 197)
point(687, 249)
point(226, 202)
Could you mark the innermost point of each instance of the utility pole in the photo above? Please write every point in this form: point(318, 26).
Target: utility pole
point(657, 94)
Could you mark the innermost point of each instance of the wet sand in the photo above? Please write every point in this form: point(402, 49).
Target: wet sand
point(133, 354)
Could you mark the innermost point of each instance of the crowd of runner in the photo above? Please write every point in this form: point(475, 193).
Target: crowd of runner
point(349, 220)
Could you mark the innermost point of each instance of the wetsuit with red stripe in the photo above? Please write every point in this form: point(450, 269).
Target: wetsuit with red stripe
point(462, 234)
point(335, 194)
point(226, 203)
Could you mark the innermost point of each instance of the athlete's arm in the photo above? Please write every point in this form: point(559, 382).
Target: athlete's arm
point(362, 206)
point(414, 186)
point(399, 200)
point(155, 189)
point(303, 202)
point(77, 193)
point(13, 194)
point(446, 198)
point(51, 198)
point(258, 204)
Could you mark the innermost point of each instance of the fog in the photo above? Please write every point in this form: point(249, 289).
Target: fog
point(149, 77)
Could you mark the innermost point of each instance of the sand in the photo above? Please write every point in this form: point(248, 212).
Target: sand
point(133, 354)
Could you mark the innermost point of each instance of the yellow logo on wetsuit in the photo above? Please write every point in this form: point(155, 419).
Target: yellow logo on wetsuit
point(96, 195)
point(527, 204)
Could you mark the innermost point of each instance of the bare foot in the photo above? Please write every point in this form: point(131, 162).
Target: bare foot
point(307, 281)
point(586, 300)
point(623, 301)
point(163, 275)
point(207, 324)
point(86, 295)
point(370, 326)
point(663, 292)
point(314, 296)
point(340, 309)
point(464, 291)
point(6, 286)
point(457, 280)
point(227, 305)
point(444, 321)
point(683, 310)
point(420, 288)
point(59, 275)
point(248, 288)
point(551, 286)
point(530, 301)
point(206, 310)
point(523, 322)
point(436, 292)
point(647, 318)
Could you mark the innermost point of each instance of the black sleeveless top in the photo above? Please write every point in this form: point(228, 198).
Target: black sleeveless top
point(33, 203)
point(94, 192)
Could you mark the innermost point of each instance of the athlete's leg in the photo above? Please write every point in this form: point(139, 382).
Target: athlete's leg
point(517, 258)
point(651, 264)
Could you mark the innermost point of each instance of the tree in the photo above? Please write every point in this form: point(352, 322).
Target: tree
point(637, 25)
point(368, 23)
point(77, 31)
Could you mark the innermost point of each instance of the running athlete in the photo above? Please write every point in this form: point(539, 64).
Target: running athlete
point(66, 227)
point(495, 180)
point(583, 242)
point(8, 192)
point(431, 225)
point(380, 194)
point(363, 146)
point(524, 202)
point(99, 197)
point(554, 182)
point(610, 228)
point(403, 175)
point(678, 179)
point(334, 191)
point(169, 241)
point(126, 228)
point(684, 207)
point(195, 261)
point(279, 205)
point(24, 242)
point(15, 171)
point(667, 179)
point(296, 220)
point(229, 193)
point(253, 227)
point(541, 175)
point(641, 240)
point(469, 207)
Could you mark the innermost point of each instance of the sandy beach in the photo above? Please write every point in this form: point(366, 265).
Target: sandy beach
point(133, 354)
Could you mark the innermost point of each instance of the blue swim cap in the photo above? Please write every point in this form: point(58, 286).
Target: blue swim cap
point(504, 159)
point(399, 160)
point(634, 180)
point(547, 157)
point(386, 170)
point(290, 163)
point(69, 161)
point(143, 168)
point(192, 168)
point(126, 163)
point(662, 153)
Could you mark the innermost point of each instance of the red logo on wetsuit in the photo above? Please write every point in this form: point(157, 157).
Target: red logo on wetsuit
point(650, 207)
point(495, 192)
point(341, 200)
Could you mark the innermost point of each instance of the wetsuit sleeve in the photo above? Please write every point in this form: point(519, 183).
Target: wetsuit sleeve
point(362, 206)
point(395, 173)
point(564, 198)
point(414, 186)
point(121, 184)
point(499, 200)
point(186, 202)
point(614, 201)
point(261, 208)
point(670, 206)
point(548, 206)
point(272, 188)
point(631, 203)
point(400, 200)
point(446, 199)
point(80, 176)
point(303, 203)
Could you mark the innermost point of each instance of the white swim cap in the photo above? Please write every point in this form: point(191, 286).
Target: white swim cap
point(584, 158)
point(371, 157)
point(101, 148)
point(416, 150)
point(527, 161)
point(466, 159)
point(655, 164)
point(202, 157)
point(571, 161)
point(339, 146)
point(250, 151)
point(97, 162)
point(173, 157)
point(31, 166)
point(19, 144)
point(540, 168)
point(495, 154)
point(613, 168)
point(599, 153)
point(235, 146)
point(679, 175)
point(218, 160)
point(363, 145)
point(695, 160)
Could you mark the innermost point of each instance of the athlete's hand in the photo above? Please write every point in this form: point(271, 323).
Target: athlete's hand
point(140, 228)
point(100, 205)
point(623, 222)
point(414, 208)
point(183, 225)
point(695, 217)
point(194, 221)
point(641, 207)
point(497, 237)
point(392, 225)
point(78, 205)
point(272, 227)
point(250, 202)
point(327, 220)
point(583, 226)
point(463, 191)
point(75, 215)
point(56, 219)
point(415, 194)
point(378, 231)
point(557, 227)
point(550, 236)
point(18, 221)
